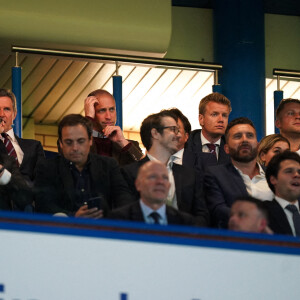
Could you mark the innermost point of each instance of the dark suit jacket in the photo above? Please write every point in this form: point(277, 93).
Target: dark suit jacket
point(15, 195)
point(188, 193)
point(222, 185)
point(55, 186)
point(195, 158)
point(33, 153)
point(133, 212)
point(278, 221)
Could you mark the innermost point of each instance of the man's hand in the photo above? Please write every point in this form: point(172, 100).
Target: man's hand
point(115, 134)
point(92, 213)
point(89, 106)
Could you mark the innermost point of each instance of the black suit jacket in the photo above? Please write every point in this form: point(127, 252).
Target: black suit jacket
point(195, 158)
point(33, 154)
point(278, 221)
point(133, 212)
point(55, 186)
point(222, 185)
point(15, 195)
point(189, 194)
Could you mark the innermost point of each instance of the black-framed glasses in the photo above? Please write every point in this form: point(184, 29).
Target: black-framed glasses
point(175, 129)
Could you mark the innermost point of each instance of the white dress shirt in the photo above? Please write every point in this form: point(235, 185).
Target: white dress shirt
point(205, 149)
point(257, 187)
point(177, 157)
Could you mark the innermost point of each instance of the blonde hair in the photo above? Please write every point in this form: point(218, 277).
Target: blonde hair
point(267, 143)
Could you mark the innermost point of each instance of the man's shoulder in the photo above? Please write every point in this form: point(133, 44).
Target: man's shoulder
point(28, 142)
point(220, 169)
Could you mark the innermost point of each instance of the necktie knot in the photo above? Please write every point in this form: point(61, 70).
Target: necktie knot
point(211, 147)
point(155, 216)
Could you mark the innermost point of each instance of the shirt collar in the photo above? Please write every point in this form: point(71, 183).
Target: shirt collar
point(11, 134)
point(178, 154)
point(260, 170)
point(205, 141)
point(284, 203)
point(148, 210)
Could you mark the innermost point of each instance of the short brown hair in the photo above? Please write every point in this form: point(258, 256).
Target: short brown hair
point(283, 102)
point(237, 121)
point(268, 142)
point(100, 92)
point(11, 95)
point(213, 97)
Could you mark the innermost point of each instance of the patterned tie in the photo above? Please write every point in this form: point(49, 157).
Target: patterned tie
point(10, 148)
point(155, 216)
point(212, 149)
point(296, 217)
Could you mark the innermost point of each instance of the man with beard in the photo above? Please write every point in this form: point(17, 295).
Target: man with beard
point(160, 134)
point(243, 176)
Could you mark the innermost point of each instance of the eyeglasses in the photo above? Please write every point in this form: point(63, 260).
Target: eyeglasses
point(175, 129)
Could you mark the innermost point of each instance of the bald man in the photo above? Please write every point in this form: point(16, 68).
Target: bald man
point(153, 184)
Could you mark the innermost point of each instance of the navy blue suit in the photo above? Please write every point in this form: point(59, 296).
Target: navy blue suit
point(222, 185)
point(195, 158)
point(188, 192)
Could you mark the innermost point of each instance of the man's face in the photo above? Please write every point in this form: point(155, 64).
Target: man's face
point(75, 144)
point(289, 119)
point(244, 216)
point(105, 111)
point(7, 114)
point(215, 120)
point(183, 135)
point(169, 139)
point(241, 143)
point(287, 183)
point(153, 183)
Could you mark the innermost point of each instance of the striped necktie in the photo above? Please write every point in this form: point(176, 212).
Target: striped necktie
point(10, 148)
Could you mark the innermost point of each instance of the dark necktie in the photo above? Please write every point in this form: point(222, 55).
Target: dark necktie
point(296, 217)
point(212, 149)
point(155, 216)
point(10, 148)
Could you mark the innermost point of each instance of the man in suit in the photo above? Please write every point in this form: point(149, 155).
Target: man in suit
point(14, 192)
point(153, 184)
point(160, 134)
point(108, 139)
point(243, 176)
point(248, 214)
point(283, 176)
point(79, 183)
point(288, 121)
point(205, 147)
point(27, 153)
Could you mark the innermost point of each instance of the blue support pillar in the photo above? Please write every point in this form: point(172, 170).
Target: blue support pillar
point(17, 90)
point(240, 47)
point(217, 88)
point(117, 92)
point(278, 96)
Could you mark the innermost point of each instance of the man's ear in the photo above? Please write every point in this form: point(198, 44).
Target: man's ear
point(201, 119)
point(154, 133)
point(273, 180)
point(14, 115)
point(91, 141)
point(278, 123)
point(226, 148)
point(137, 184)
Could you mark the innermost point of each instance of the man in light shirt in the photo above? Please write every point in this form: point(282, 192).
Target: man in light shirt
point(26, 152)
point(283, 175)
point(243, 176)
point(153, 184)
point(160, 135)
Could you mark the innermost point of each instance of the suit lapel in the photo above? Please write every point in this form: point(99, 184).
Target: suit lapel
point(136, 213)
point(280, 217)
point(237, 179)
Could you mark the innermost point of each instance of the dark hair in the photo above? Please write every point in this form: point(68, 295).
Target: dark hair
point(237, 121)
point(283, 102)
point(74, 120)
point(213, 97)
point(185, 121)
point(274, 165)
point(153, 121)
point(100, 92)
point(258, 203)
point(11, 95)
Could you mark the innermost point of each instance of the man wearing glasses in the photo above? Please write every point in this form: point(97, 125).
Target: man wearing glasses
point(160, 135)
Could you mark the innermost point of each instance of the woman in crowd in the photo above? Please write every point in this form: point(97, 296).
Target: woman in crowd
point(271, 145)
